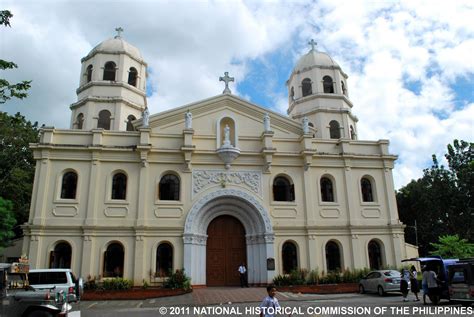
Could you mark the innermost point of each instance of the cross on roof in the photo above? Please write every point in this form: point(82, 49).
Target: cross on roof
point(313, 44)
point(119, 30)
point(226, 79)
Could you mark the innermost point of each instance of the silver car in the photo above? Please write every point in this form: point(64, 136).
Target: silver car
point(381, 282)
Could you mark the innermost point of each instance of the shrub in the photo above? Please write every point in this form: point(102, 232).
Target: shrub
point(281, 280)
point(117, 283)
point(178, 279)
point(313, 277)
point(298, 277)
point(90, 284)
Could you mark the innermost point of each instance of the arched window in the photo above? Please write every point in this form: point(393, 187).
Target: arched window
point(104, 120)
point(113, 260)
point(132, 76)
point(292, 93)
point(283, 190)
point(169, 187)
point(80, 121)
point(343, 86)
point(164, 260)
point(333, 257)
point(353, 134)
point(328, 85)
point(130, 127)
point(89, 73)
point(60, 258)
point(366, 188)
point(334, 130)
point(306, 87)
point(326, 189)
point(289, 257)
point(109, 71)
point(119, 186)
point(69, 185)
point(375, 255)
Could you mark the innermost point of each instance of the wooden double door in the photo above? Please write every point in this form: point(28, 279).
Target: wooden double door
point(226, 250)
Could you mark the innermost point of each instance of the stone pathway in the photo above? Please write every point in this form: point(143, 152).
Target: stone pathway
point(226, 295)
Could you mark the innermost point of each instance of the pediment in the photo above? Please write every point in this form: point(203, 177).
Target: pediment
point(206, 113)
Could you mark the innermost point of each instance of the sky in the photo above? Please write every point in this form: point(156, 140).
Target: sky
point(410, 63)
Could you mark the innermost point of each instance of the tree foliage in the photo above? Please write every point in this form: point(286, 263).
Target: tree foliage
point(7, 222)
point(17, 165)
point(451, 246)
point(442, 200)
point(8, 90)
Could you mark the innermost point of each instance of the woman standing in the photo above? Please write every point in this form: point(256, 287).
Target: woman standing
point(404, 284)
point(415, 289)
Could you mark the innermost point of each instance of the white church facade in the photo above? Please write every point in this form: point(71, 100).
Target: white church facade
point(211, 184)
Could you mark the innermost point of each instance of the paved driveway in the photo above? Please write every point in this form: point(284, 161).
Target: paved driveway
point(245, 302)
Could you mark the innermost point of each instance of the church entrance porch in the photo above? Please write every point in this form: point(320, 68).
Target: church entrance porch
point(225, 251)
point(206, 246)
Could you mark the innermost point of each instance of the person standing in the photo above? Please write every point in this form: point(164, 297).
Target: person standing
point(270, 305)
point(243, 275)
point(415, 289)
point(433, 289)
point(424, 282)
point(404, 284)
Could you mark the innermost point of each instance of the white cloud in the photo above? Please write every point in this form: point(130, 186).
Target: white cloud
point(402, 58)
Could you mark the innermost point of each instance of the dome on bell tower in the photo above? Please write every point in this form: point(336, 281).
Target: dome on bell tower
point(116, 45)
point(112, 87)
point(312, 59)
point(317, 89)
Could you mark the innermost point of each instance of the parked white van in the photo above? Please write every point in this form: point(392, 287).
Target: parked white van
point(62, 279)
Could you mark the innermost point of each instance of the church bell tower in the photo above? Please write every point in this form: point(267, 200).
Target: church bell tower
point(112, 87)
point(317, 89)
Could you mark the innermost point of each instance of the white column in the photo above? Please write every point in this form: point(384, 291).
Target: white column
point(269, 253)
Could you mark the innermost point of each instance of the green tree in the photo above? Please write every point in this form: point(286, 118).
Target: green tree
point(441, 201)
point(451, 246)
point(8, 90)
point(17, 165)
point(7, 222)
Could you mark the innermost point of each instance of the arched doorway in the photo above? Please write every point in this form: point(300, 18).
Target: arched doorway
point(60, 258)
point(289, 256)
point(113, 260)
point(225, 251)
point(258, 233)
point(333, 257)
point(375, 255)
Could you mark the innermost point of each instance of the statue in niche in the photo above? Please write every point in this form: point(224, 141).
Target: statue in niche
point(266, 123)
point(188, 120)
point(226, 136)
point(305, 125)
point(146, 117)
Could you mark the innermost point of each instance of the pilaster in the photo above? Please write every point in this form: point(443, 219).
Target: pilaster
point(188, 149)
point(91, 217)
point(87, 261)
point(139, 271)
point(42, 195)
point(267, 150)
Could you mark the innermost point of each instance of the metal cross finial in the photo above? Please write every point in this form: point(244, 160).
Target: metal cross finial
point(226, 79)
point(119, 30)
point(313, 44)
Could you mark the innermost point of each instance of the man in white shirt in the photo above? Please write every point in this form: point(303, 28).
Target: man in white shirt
point(433, 289)
point(243, 275)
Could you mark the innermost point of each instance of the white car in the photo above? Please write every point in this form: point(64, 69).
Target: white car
point(61, 279)
point(381, 282)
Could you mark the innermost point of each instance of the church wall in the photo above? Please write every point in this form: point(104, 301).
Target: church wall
point(68, 211)
point(308, 221)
